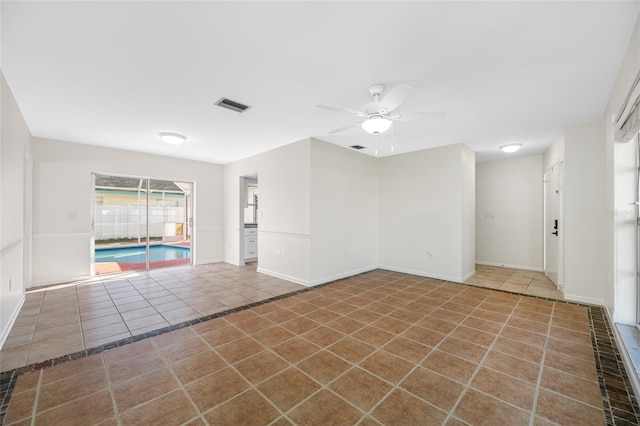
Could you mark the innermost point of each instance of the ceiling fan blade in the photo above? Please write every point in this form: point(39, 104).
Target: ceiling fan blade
point(341, 109)
point(395, 97)
point(344, 128)
point(418, 115)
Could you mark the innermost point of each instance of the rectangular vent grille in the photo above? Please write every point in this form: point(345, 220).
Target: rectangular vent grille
point(232, 105)
point(357, 147)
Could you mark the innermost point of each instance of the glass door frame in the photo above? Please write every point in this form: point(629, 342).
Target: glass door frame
point(189, 213)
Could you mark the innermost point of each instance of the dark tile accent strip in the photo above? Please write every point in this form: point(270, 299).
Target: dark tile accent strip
point(618, 399)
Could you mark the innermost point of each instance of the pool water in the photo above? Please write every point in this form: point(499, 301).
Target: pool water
point(137, 254)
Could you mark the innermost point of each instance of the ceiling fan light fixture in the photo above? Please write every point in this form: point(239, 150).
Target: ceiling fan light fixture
point(376, 125)
point(511, 147)
point(172, 138)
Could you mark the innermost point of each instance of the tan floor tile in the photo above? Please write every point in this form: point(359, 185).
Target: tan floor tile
point(118, 354)
point(296, 349)
point(512, 366)
point(402, 408)
point(351, 349)
point(433, 388)
point(324, 366)
point(91, 409)
point(407, 349)
point(134, 366)
point(314, 411)
point(197, 366)
point(70, 369)
point(450, 366)
point(288, 388)
point(71, 388)
point(351, 384)
point(562, 410)
point(480, 409)
point(505, 388)
point(20, 406)
point(261, 366)
point(519, 349)
point(387, 366)
point(323, 336)
point(571, 386)
point(248, 408)
point(144, 388)
point(172, 408)
point(239, 349)
point(569, 364)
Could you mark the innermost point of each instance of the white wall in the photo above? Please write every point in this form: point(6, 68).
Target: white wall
point(63, 197)
point(344, 212)
point(509, 213)
point(620, 252)
point(423, 210)
point(583, 213)
point(284, 223)
point(15, 146)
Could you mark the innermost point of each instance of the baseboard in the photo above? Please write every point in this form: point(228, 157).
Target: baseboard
point(424, 274)
point(626, 359)
point(342, 275)
point(207, 261)
point(582, 299)
point(469, 275)
point(505, 265)
point(283, 277)
point(12, 320)
point(63, 280)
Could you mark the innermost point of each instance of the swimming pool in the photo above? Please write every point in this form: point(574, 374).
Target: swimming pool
point(137, 254)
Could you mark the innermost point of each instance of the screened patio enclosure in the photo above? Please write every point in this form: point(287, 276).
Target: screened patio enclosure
point(140, 223)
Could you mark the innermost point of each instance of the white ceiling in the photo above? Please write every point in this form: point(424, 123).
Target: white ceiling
point(118, 73)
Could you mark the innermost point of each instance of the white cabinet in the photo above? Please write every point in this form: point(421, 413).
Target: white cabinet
point(250, 243)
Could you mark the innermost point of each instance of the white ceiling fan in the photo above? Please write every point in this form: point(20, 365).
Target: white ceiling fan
point(377, 116)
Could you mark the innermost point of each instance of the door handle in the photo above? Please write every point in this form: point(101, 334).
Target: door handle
point(555, 233)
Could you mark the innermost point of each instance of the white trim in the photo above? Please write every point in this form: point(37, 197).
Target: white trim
point(12, 320)
point(67, 235)
point(284, 277)
point(626, 359)
point(504, 265)
point(583, 299)
point(287, 234)
point(342, 275)
point(207, 261)
point(469, 275)
point(11, 246)
point(424, 274)
point(64, 280)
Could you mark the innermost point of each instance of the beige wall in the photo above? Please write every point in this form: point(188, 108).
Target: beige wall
point(63, 197)
point(15, 208)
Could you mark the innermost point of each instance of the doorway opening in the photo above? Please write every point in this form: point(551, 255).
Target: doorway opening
point(552, 224)
point(250, 217)
point(140, 223)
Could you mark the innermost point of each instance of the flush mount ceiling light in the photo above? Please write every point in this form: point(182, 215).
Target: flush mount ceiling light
point(172, 138)
point(376, 124)
point(511, 147)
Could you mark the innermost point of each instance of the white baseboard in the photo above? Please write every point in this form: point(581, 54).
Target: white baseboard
point(61, 281)
point(424, 274)
point(207, 261)
point(283, 277)
point(582, 299)
point(342, 275)
point(469, 275)
point(12, 320)
point(505, 265)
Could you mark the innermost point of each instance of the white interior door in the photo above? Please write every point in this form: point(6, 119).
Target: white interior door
point(553, 227)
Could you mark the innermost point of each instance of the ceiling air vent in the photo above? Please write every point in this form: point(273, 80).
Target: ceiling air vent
point(357, 147)
point(232, 105)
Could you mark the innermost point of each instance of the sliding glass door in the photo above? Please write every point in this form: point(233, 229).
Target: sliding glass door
point(140, 223)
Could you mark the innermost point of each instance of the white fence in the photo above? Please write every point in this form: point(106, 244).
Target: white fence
point(116, 222)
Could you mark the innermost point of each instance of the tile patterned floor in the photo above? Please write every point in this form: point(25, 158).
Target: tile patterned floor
point(63, 319)
point(516, 281)
point(377, 348)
